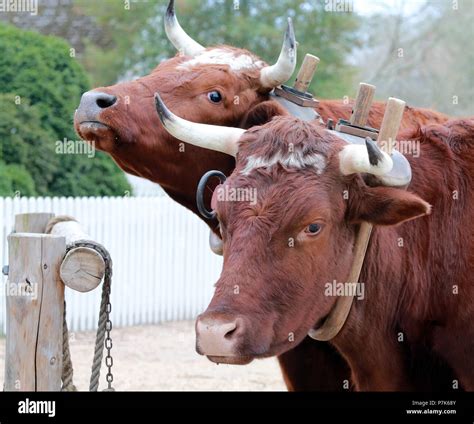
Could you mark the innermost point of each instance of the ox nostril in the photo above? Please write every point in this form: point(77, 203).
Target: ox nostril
point(217, 336)
point(92, 104)
point(230, 330)
point(104, 100)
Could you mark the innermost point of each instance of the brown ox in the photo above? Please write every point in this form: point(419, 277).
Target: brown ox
point(284, 249)
point(121, 120)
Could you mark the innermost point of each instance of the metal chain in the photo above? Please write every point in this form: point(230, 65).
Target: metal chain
point(109, 362)
point(104, 326)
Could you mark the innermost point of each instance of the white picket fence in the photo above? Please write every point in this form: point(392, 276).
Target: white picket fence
point(163, 269)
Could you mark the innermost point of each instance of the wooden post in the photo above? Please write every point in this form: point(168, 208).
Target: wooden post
point(361, 109)
point(35, 302)
point(306, 73)
point(35, 296)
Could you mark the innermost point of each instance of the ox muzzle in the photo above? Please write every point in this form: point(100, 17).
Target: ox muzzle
point(92, 105)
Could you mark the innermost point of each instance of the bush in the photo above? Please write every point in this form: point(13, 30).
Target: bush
point(16, 179)
point(26, 143)
point(40, 87)
point(21, 180)
point(5, 181)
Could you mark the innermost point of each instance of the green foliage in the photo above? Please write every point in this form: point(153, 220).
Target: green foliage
point(5, 181)
point(21, 180)
point(26, 142)
point(40, 87)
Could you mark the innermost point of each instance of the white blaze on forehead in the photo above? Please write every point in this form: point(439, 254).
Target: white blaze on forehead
point(294, 159)
point(236, 61)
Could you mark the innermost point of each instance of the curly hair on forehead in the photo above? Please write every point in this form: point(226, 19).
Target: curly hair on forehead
point(288, 141)
point(287, 134)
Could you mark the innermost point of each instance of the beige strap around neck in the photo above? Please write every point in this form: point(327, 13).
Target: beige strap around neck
point(339, 313)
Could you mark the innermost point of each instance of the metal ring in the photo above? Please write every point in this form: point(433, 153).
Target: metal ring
point(200, 193)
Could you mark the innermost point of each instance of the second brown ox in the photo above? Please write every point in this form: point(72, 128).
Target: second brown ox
point(283, 249)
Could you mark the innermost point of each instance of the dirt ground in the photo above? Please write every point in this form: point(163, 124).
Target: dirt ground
point(162, 357)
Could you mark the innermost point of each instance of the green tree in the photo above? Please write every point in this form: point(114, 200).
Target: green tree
point(26, 142)
point(40, 87)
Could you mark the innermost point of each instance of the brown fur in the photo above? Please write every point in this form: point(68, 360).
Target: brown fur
point(140, 146)
point(409, 289)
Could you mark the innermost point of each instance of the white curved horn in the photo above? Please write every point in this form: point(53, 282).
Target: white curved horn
point(182, 41)
point(274, 75)
point(212, 137)
point(368, 158)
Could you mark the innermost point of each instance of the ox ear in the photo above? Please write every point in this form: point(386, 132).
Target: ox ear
point(262, 113)
point(385, 206)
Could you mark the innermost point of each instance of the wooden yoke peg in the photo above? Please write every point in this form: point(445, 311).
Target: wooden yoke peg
point(298, 94)
point(357, 124)
point(306, 73)
point(391, 122)
point(364, 99)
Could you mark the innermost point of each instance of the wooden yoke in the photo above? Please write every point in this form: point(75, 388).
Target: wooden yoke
point(387, 135)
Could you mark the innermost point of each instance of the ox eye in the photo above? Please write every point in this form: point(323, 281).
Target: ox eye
point(214, 96)
point(313, 229)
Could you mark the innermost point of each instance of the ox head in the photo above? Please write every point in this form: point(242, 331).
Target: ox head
point(288, 229)
point(218, 85)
